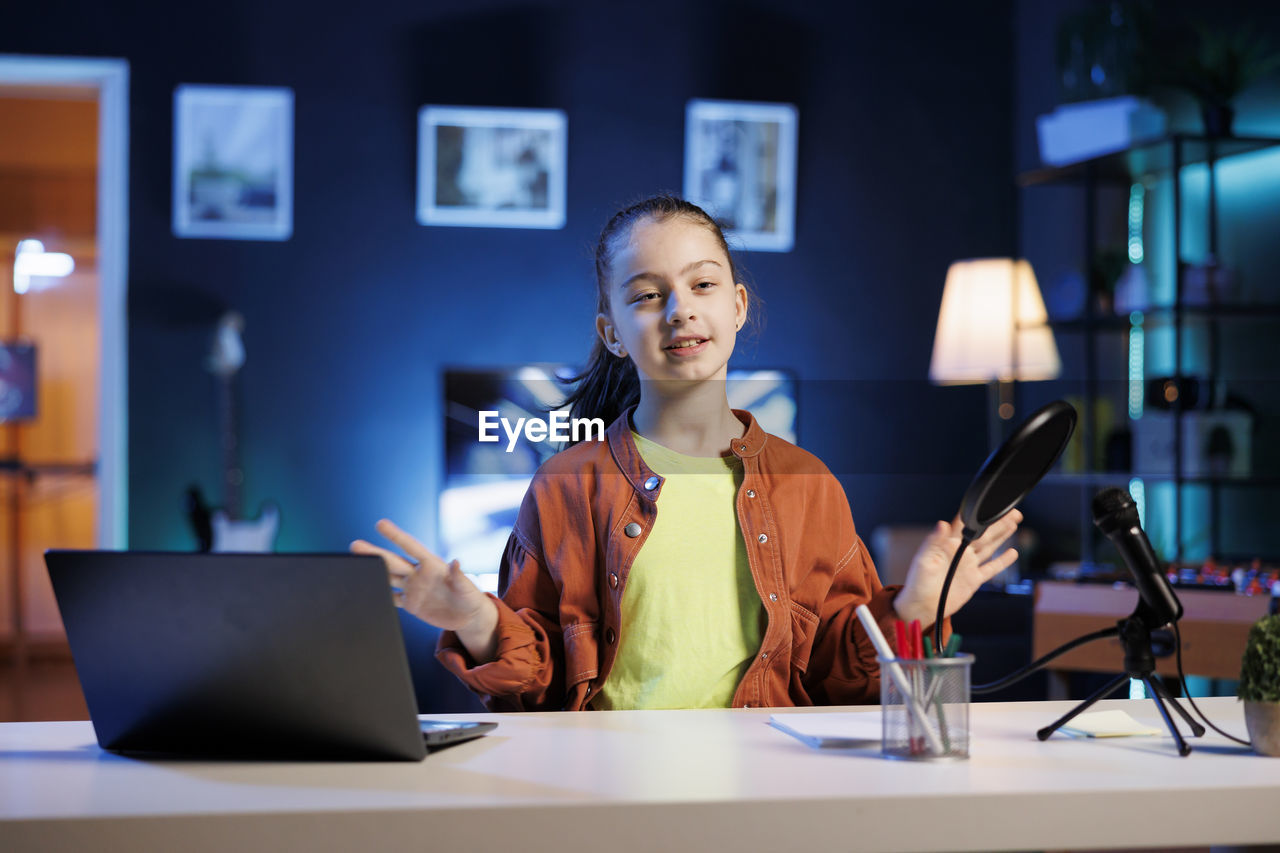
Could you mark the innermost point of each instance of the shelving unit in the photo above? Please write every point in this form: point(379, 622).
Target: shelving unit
point(1167, 157)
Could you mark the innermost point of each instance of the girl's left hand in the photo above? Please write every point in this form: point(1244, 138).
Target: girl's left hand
point(918, 598)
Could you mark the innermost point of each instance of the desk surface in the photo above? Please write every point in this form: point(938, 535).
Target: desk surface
point(655, 780)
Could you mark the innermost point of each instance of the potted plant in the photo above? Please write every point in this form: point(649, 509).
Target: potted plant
point(1212, 63)
point(1260, 685)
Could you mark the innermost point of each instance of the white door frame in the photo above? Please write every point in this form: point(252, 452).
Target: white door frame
point(111, 78)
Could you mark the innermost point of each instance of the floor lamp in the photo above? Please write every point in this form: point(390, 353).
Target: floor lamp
point(993, 329)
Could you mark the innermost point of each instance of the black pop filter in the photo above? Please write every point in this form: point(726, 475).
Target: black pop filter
point(1016, 466)
point(1005, 479)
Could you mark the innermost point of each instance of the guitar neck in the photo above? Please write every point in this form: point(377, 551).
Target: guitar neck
point(232, 473)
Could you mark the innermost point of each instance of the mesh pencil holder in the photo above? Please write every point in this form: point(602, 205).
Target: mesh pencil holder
point(925, 708)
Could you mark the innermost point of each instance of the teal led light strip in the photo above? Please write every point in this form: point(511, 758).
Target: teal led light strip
point(1138, 490)
point(1137, 340)
point(1137, 194)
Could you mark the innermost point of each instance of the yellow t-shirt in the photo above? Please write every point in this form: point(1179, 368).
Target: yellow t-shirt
point(691, 617)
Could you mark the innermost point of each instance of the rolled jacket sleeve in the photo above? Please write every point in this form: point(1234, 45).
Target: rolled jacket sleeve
point(526, 673)
point(843, 666)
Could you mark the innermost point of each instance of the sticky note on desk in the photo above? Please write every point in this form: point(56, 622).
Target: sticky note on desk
point(831, 730)
point(1107, 724)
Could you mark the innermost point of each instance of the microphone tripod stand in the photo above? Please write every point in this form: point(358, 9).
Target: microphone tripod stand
point(1139, 663)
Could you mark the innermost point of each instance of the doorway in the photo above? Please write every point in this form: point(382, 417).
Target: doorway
point(63, 415)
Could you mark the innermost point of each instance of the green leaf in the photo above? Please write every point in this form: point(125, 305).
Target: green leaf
point(1260, 666)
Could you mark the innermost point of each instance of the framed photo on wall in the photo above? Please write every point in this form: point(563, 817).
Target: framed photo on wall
point(740, 166)
point(491, 167)
point(233, 162)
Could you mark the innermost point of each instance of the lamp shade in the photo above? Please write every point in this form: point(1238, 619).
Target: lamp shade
point(992, 326)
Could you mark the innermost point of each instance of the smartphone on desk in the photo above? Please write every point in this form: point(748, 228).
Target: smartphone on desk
point(438, 733)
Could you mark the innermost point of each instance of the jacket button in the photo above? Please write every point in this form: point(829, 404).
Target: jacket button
point(751, 493)
point(763, 538)
point(609, 636)
point(764, 656)
point(652, 483)
point(742, 448)
point(613, 579)
point(632, 530)
point(773, 596)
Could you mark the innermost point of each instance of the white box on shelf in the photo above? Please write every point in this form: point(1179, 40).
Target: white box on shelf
point(1075, 132)
point(1215, 443)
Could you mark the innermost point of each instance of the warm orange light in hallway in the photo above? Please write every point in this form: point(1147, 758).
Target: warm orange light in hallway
point(48, 491)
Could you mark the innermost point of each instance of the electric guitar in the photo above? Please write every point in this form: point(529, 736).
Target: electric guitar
point(223, 529)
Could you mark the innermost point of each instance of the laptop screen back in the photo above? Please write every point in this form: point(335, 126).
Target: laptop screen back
point(244, 655)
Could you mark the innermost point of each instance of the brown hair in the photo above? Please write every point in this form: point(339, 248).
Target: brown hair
point(609, 384)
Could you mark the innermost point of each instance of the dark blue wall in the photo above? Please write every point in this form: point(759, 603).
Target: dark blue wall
point(906, 163)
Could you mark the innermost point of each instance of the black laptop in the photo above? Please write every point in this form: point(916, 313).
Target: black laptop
point(242, 655)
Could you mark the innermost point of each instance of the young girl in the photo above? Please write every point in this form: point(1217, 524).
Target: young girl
point(690, 559)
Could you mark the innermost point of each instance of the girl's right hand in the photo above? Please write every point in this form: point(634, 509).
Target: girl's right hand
point(436, 592)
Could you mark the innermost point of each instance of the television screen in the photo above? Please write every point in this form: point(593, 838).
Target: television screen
point(484, 481)
point(17, 381)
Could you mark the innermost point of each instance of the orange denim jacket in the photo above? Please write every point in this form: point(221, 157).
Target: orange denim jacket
point(585, 517)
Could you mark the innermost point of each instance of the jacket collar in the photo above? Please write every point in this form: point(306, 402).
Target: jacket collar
point(643, 478)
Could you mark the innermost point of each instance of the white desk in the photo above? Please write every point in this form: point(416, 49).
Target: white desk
point(657, 780)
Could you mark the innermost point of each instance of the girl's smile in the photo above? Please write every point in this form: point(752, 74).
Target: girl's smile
point(686, 346)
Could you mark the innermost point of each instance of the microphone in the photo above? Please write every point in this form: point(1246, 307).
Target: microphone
point(1116, 515)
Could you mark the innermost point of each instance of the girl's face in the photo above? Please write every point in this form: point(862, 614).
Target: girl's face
point(674, 307)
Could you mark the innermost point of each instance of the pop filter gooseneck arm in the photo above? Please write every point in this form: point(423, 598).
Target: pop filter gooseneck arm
point(966, 536)
point(1022, 672)
point(1005, 479)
